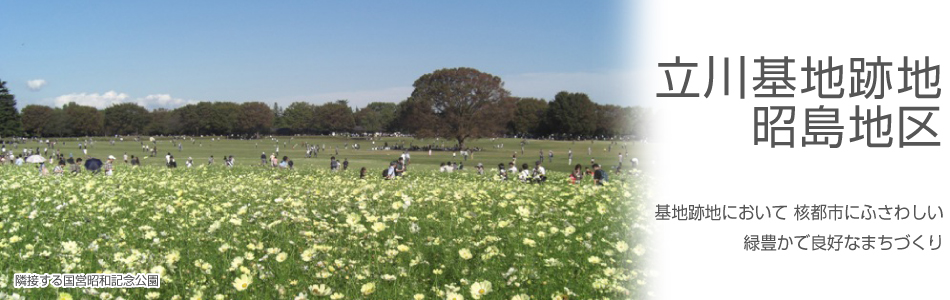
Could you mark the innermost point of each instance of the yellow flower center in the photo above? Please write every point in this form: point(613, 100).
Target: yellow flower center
point(244, 285)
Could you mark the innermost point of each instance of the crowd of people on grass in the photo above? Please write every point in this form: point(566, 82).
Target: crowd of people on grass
point(67, 164)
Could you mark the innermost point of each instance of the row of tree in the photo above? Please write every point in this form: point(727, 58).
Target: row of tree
point(458, 104)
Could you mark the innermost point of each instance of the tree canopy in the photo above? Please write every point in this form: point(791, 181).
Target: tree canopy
point(10, 124)
point(125, 118)
point(572, 113)
point(457, 104)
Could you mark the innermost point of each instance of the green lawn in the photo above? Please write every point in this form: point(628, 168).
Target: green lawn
point(247, 152)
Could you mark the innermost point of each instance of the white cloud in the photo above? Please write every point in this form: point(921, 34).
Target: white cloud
point(36, 84)
point(162, 100)
point(93, 99)
point(110, 98)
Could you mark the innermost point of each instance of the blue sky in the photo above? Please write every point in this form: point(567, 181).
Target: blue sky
point(168, 53)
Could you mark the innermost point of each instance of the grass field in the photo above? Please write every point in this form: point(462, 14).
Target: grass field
point(247, 152)
point(262, 233)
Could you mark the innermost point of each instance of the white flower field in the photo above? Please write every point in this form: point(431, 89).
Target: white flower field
point(261, 233)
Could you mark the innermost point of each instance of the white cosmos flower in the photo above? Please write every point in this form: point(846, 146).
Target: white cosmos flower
point(465, 254)
point(479, 289)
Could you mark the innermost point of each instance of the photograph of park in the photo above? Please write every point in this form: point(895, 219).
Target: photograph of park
point(322, 151)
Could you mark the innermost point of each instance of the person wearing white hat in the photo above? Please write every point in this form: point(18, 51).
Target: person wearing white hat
point(108, 165)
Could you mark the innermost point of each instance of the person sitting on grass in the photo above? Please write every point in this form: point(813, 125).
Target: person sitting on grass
point(502, 174)
point(60, 167)
point(73, 167)
point(78, 166)
point(525, 174)
point(390, 172)
point(600, 176)
point(363, 173)
point(442, 168)
point(539, 174)
point(400, 166)
point(283, 163)
point(512, 169)
point(43, 170)
point(577, 175)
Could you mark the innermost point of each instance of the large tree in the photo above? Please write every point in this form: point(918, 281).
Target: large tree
point(459, 104)
point(207, 117)
point(528, 116)
point(83, 120)
point(255, 117)
point(224, 116)
point(125, 119)
point(58, 124)
point(572, 113)
point(278, 116)
point(376, 116)
point(610, 120)
point(37, 119)
point(335, 116)
point(299, 117)
point(10, 124)
point(163, 121)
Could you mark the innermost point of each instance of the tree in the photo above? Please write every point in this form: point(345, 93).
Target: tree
point(224, 116)
point(58, 124)
point(572, 113)
point(125, 119)
point(163, 122)
point(637, 121)
point(376, 116)
point(299, 117)
point(10, 124)
point(528, 116)
point(37, 119)
point(189, 118)
point(414, 117)
point(255, 117)
point(208, 117)
point(610, 120)
point(278, 116)
point(335, 116)
point(459, 103)
point(83, 120)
